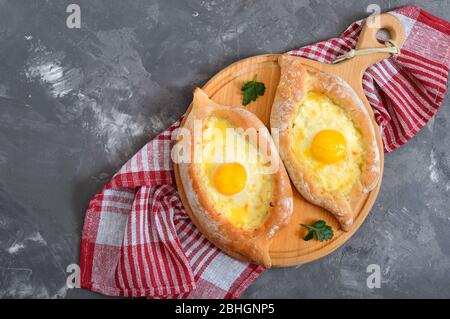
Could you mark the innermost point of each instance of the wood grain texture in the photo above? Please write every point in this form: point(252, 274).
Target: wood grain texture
point(288, 247)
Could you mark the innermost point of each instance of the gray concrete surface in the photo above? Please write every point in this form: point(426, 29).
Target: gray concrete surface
point(76, 103)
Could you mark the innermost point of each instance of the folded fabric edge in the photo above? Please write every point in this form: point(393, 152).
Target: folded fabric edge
point(247, 280)
point(134, 292)
point(86, 267)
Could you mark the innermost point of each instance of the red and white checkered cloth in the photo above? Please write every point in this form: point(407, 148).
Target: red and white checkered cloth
point(137, 238)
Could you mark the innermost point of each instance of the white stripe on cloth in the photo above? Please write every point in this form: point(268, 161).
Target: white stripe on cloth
point(108, 223)
point(221, 261)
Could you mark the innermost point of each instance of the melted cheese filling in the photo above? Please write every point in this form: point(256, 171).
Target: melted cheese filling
point(316, 115)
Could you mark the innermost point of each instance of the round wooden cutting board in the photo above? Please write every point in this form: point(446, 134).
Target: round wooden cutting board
point(288, 247)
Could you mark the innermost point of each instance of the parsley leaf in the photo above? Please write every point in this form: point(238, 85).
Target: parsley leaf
point(309, 235)
point(251, 90)
point(320, 229)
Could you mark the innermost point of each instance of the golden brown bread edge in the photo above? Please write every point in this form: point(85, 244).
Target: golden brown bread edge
point(296, 81)
point(247, 245)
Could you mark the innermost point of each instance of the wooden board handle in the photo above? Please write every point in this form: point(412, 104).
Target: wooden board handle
point(368, 36)
point(368, 39)
point(352, 70)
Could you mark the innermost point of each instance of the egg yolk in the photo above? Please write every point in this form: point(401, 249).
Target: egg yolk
point(230, 178)
point(328, 146)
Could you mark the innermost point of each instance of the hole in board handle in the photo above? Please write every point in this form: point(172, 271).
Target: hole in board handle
point(383, 35)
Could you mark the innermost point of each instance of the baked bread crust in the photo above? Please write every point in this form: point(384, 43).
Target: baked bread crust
point(249, 245)
point(296, 80)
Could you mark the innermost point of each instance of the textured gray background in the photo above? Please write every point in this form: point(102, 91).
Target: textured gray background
point(75, 104)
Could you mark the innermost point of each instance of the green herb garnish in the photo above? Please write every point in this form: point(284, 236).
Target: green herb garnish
point(321, 229)
point(252, 90)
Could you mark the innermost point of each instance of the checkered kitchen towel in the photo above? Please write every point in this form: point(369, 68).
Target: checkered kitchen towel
point(137, 238)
